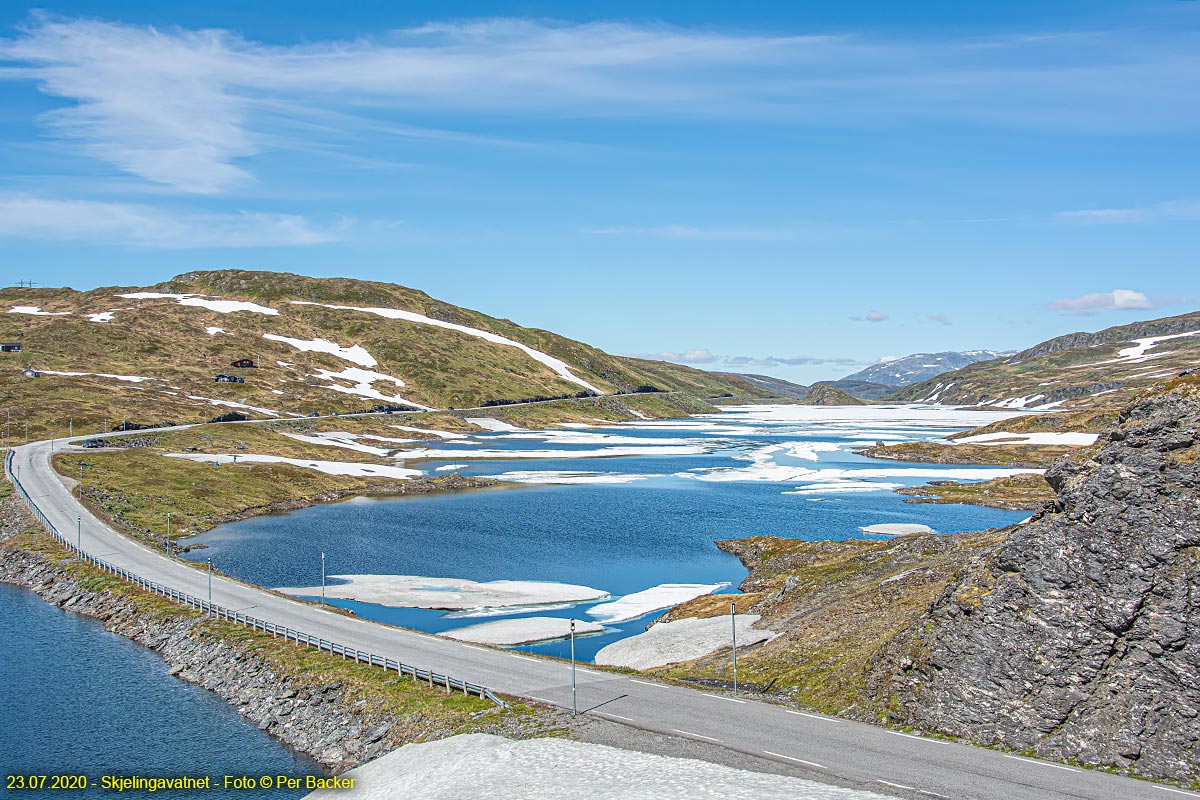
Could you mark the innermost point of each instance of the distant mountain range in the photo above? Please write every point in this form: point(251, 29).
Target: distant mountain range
point(921, 366)
point(1108, 367)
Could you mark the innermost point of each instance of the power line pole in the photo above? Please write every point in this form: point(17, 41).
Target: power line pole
point(733, 621)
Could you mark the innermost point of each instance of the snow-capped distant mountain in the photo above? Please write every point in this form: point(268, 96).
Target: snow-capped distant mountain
point(921, 366)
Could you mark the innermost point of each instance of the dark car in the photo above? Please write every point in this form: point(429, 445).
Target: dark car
point(92, 443)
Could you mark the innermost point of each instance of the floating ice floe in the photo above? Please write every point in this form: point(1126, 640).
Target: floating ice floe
point(450, 467)
point(220, 306)
point(682, 640)
point(480, 766)
point(348, 468)
point(451, 594)
point(558, 476)
point(844, 487)
point(526, 630)
point(355, 353)
point(37, 311)
point(557, 365)
point(895, 529)
point(665, 595)
point(1045, 437)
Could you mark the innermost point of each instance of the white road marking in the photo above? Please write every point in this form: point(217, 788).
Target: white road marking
point(647, 683)
point(542, 700)
point(588, 671)
point(812, 716)
point(697, 736)
point(523, 658)
point(720, 697)
point(1042, 763)
point(473, 647)
point(793, 758)
point(912, 789)
point(921, 738)
point(614, 716)
point(1177, 791)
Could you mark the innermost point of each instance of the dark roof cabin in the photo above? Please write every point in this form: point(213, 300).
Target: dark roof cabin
point(229, 379)
point(243, 363)
point(10, 347)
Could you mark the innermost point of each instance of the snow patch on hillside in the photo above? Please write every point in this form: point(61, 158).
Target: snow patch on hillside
point(214, 330)
point(356, 354)
point(349, 468)
point(129, 378)
point(37, 311)
point(103, 316)
point(364, 380)
point(220, 306)
point(559, 366)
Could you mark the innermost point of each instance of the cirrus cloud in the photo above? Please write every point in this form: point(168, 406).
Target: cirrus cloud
point(1123, 299)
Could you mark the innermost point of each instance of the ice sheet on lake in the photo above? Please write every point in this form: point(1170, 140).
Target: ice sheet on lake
point(598, 452)
point(562, 476)
point(480, 766)
point(526, 630)
point(665, 595)
point(681, 640)
point(493, 424)
point(844, 487)
point(452, 594)
point(450, 467)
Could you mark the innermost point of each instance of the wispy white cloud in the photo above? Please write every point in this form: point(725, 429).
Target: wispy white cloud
point(1126, 299)
point(697, 356)
point(23, 216)
point(940, 319)
point(872, 316)
point(1158, 212)
point(706, 357)
point(191, 108)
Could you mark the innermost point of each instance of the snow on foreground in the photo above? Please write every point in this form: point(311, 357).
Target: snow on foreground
point(449, 594)
point(559, 366)
point(480, 766)
point(681, 640)
point(351, 468)
point(665, 595)
point(526, 630)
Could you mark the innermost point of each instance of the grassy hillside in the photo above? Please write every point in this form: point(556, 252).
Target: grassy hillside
point(155, 359)
point(1079, 370)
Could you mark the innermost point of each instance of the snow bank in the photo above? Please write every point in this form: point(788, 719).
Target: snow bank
point(129, 378)
point(481, 766)
point(1048, 437)
point(681, 640)
point(895, 529)
point(364, 380)
point(231, 404)
point(328, 467)
point(103, 316)
point(220, 306)
point(337, 439)
point(451, 594)
point(665, 595)
point(526, 630)
point(214, 330)
point(492, 424)
point(37, 311)
point(439, 434)
point(356, 354)
point(553, 363)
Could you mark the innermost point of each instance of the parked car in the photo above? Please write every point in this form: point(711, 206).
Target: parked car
point(92, 443)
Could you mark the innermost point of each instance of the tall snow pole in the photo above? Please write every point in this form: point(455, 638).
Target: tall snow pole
point(733, 629)
point(168, 534)
point(79, 534)
point(574, 706)
point(322, 574)
point(210, 580)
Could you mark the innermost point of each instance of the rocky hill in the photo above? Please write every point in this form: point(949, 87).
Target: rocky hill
point(768, 383)
point(318, 345)
point(921, 366)
point(1077, 370)
point(1073, 636)
point(822, 394)
point(1077, 638)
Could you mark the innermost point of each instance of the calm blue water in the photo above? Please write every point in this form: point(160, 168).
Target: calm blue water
point(622, 538)
point(78, 700)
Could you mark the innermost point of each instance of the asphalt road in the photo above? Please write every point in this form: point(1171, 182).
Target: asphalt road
point(819, 747)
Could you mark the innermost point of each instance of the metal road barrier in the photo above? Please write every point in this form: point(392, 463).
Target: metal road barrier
point(254, 623)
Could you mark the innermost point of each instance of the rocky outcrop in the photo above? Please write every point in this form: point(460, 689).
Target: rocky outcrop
point(1078, 637)
point(822, 394)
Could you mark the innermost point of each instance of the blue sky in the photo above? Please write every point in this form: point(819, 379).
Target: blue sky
point(796, 189)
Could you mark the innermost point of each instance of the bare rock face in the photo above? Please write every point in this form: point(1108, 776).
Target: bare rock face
point(1080, 636)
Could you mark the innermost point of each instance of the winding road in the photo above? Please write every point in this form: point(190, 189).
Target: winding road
point(814, 746)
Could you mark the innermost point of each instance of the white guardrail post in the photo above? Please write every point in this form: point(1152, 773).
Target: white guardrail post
point(234, 616)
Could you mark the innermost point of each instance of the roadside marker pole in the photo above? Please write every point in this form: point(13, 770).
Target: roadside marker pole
point(168, 534)
point(322, 574)
point(210, 580)
point(733, 621)
point(574, 707)
point(79, 534)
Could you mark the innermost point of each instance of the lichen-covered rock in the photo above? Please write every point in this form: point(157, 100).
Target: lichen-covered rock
point(1078, 637)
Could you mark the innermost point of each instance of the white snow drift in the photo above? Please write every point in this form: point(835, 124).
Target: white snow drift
point(665, 595)
point(220, 306)
point(681, 640)
point(328, 467)
point(451, 594)
point(355, 353)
